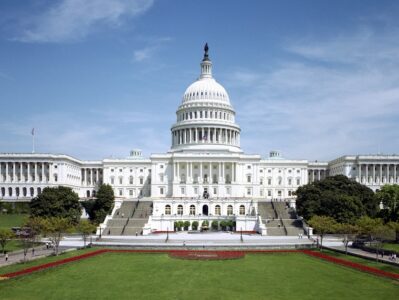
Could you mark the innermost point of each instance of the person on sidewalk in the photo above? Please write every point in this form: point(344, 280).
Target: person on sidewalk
point(6, 257)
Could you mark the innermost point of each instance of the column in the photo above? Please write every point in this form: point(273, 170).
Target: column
point(29, 177)
point(190, 135)
point(7, 177)
point(208, 135)
point(200, 174)
point(318, 175)
point(210, 173)
point(360, 173)
point(35, 172)
point(196, 135)
point(98, 176)
point(387, 173)
point(43, 172)
point(394, 174)
point(20, 171)
point(13, 172)
point(50, 172)
point(178, 172)
point(367, 173)
point(374, 174)
point(380, 173)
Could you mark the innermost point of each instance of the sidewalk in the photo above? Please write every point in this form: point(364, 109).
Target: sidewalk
point(18, 256)
point(365, 254)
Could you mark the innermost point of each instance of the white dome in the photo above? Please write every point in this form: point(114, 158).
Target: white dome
point(206, 89)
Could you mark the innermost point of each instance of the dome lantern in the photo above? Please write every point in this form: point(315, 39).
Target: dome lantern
point(206, 64)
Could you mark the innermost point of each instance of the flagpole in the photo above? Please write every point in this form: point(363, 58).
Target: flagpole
point(33, 140)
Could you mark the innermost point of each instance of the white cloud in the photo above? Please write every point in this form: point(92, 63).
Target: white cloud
point(147, 52)
point(336, 97)
point(71, 20)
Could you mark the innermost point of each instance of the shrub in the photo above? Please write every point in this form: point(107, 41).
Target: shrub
point(223, 224)
point(215, 225)
point(194, 225)
point(186, 225)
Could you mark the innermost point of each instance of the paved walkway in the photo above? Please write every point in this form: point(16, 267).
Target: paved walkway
point(18, 256)
point(365, 254)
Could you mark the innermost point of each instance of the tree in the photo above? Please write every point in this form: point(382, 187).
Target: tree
point(59, 201)
point(55, 228)
point(230, 224)
point(215, 225)
point(349, 232)
point(186, 225)
point(194, 225)
point(323, 225)
point(223, 224)
point(367, 226)
point(388, 195)
point(85, 227)
point(99, 208)
point(5, 236)
point(395, 227)
point(339, 197)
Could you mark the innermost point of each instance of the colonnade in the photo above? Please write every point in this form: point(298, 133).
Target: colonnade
point(210, 135)
point(14, 172)
point(378, 173)
point(208, 172)
point(316, 174)
point(91, 176)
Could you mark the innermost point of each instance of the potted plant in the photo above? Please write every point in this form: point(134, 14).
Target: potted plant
point(194, 225)
point(215, 225)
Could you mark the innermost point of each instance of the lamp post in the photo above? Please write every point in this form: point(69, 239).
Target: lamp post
point(167, 234)
point(100, 232)
point(242, 240)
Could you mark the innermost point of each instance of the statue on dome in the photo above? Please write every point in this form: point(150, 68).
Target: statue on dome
point(206, 48)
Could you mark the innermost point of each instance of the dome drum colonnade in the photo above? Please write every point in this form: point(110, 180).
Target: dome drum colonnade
point(206, 115)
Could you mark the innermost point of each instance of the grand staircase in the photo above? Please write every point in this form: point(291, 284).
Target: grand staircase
point(129, 219)
point(279, 219)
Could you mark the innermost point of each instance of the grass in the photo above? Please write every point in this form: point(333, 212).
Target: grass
point(366, 262)
point(12, 220)
point(391, 246)
point(156, 276)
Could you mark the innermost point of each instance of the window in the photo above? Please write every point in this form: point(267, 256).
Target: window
point(120, 192)
point(242, 210)
point(180, 209)
point(120, 170)
point(269, 171)
point(131, 180)
point(192, 210)
point(217, 210)
point(279, 193)
point(141, 170)
point(269, 181)
point(298, 181)
point(215, 191)
point(280, 181)
point(261, 192)
point(141, 180)
point(112, 170)
point(161, 177)
point(182, 190)
point(269, 193)
point(261, 181)
point(195, 190)
point(249, 178)
point(167, 209)
point(161, 166)
point(112, 180)
point(161, 190)
point(248, 167)
point(130, 192)
point(289, 193)
point(289, 181)
point(248, 191)
point(120, 180)
point(229, 210)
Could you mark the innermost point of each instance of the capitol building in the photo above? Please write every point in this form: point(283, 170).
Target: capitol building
point(205, 176)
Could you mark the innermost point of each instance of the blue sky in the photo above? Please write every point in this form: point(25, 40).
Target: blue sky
point(314, 79)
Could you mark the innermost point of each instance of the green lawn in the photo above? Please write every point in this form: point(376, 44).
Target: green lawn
point(12, 220)
point(366, 262)
point(156, 276)
point(391, 246)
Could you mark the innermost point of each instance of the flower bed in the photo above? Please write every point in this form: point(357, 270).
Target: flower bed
point(351, 264)
point(207, 255)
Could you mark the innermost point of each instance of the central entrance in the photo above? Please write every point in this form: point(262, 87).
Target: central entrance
point(205, 210)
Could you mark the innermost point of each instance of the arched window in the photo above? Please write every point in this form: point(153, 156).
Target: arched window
point(192, 209)
point(3, 192)
point(32, 191)
point(88, 194)
point(24, 192)
point(180, 209)
point(229, 210)
point(55, 177)
point(167, 209)
point(228, 179)
point(39, 191)
point(10, 192)
point(242, 210)
point(217, 210)
point(17, 191)
point(205, 178)
point(93, 193)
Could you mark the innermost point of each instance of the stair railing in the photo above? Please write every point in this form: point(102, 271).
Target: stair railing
point(123, 230)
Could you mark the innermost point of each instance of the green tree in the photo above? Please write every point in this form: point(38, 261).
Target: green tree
point(186, 225)
point(215, 225)
point(85, 227)
point(323, 225)
point(6, 235)
point(230, 224)
point(99, 208)
point(339, 197)
point(367, 226)
point(349, 232)
point(389, 196)
point(395, 227)
point(59, 201)
point(194, 225)
point(223, 225)
point(55, 228)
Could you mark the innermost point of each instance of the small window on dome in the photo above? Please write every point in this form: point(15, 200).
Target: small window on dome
point(202, 93)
